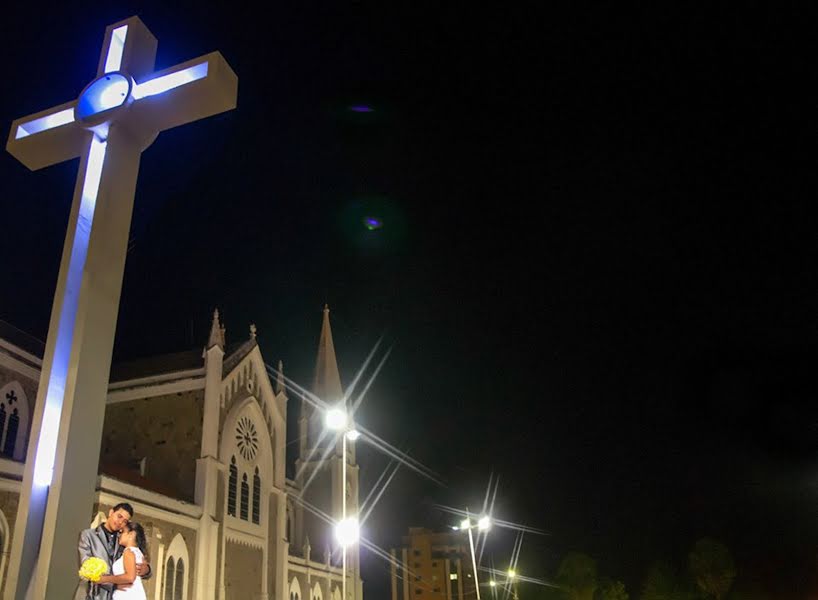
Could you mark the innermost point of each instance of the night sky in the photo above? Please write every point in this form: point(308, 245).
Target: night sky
point(597, 271)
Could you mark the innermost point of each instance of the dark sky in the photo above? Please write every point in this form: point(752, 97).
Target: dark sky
point(597, 271)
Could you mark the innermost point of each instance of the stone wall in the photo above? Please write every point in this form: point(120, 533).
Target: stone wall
point(165, 429)
point(242, 572)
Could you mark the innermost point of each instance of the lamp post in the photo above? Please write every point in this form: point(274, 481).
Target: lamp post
point(512, 577)
point(482, 524)
point(347, 530)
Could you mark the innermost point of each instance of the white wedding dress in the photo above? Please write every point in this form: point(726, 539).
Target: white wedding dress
point(135, 591)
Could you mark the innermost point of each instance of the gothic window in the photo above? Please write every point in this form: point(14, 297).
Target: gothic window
point(170, 573)
point(179, 580)
point(13, 421)
point(256, 497)
point(175, 584)
point(295, 590)
point(245, 497)
point(247, 438)
point(231, 487)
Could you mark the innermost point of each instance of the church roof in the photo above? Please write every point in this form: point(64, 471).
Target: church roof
point(157, 365)
point(17, 337)
point(147, 366)
point(236, 353)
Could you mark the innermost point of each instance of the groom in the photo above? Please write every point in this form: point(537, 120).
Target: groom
point(103, 542)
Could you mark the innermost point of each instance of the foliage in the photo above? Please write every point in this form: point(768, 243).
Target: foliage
point(662, 583)
point(577, 576)
point(712, 568)
point(611, 589)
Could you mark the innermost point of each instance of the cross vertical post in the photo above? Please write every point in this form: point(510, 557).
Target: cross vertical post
point(116, 117)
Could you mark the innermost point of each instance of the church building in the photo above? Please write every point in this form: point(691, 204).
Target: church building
point(196, 442)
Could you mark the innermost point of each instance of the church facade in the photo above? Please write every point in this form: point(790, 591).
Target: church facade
point(196, 442)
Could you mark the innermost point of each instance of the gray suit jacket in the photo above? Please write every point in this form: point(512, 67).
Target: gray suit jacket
point(93, 543)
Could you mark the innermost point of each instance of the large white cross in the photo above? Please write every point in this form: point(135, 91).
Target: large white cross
point(114, 119)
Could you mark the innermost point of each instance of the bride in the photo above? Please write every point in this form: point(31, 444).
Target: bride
point(129, 584)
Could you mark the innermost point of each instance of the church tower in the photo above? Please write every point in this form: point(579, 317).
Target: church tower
point(319, 466)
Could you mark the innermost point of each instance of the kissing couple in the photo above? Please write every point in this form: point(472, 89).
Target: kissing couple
point(121, 543)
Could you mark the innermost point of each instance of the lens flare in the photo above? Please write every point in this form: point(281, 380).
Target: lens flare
point(373, 223)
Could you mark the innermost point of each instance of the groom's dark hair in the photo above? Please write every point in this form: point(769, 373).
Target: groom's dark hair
point(124, 506)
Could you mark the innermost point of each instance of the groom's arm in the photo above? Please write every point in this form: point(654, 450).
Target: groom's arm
point(84, 547)
point(144, 570)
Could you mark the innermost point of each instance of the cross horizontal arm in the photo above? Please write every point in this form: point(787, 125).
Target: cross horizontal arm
point(193, 90)
point(47, 137)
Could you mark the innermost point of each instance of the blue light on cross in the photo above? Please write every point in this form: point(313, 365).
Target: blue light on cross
point(114, 119)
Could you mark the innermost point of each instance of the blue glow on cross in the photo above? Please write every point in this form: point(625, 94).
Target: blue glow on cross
point(164, 83)
point(62, 117)
point(106, 102)
point(47, 444)
point(107, 92)
point(113, 62)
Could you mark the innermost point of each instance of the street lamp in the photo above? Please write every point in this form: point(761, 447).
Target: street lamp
point(512, 577)
point(336, 419)
point(347, 530)
point(483, 524)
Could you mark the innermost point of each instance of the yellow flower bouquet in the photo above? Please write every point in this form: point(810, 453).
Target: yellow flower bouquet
point(93, 568)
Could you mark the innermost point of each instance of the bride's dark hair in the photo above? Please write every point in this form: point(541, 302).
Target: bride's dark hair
point(141, 540)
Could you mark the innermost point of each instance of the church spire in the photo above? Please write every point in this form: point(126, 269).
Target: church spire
point(327, 384)
point(280, 386)
point(216, 332)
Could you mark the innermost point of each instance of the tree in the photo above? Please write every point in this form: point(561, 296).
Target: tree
point(712, 568)
point(577, 576)
point(662, 583)
point(610, 589)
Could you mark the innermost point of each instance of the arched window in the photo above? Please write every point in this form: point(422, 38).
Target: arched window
point(295, 589)
point(4, 545)
point(13, 421)
point(256, 496)
point(175, 584)
point(180, 578)
point(245, 497)
point(231, 488)
point(170, 574)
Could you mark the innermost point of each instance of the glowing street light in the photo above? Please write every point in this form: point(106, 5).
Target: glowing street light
point(348, 532)
point(493, 583)
point(336, 419)
point(512, 574)
point(483, 524)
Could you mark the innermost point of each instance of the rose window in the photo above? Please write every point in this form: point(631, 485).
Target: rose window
point(247, 438)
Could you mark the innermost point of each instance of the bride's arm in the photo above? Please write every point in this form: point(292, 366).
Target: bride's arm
point(129, 562)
